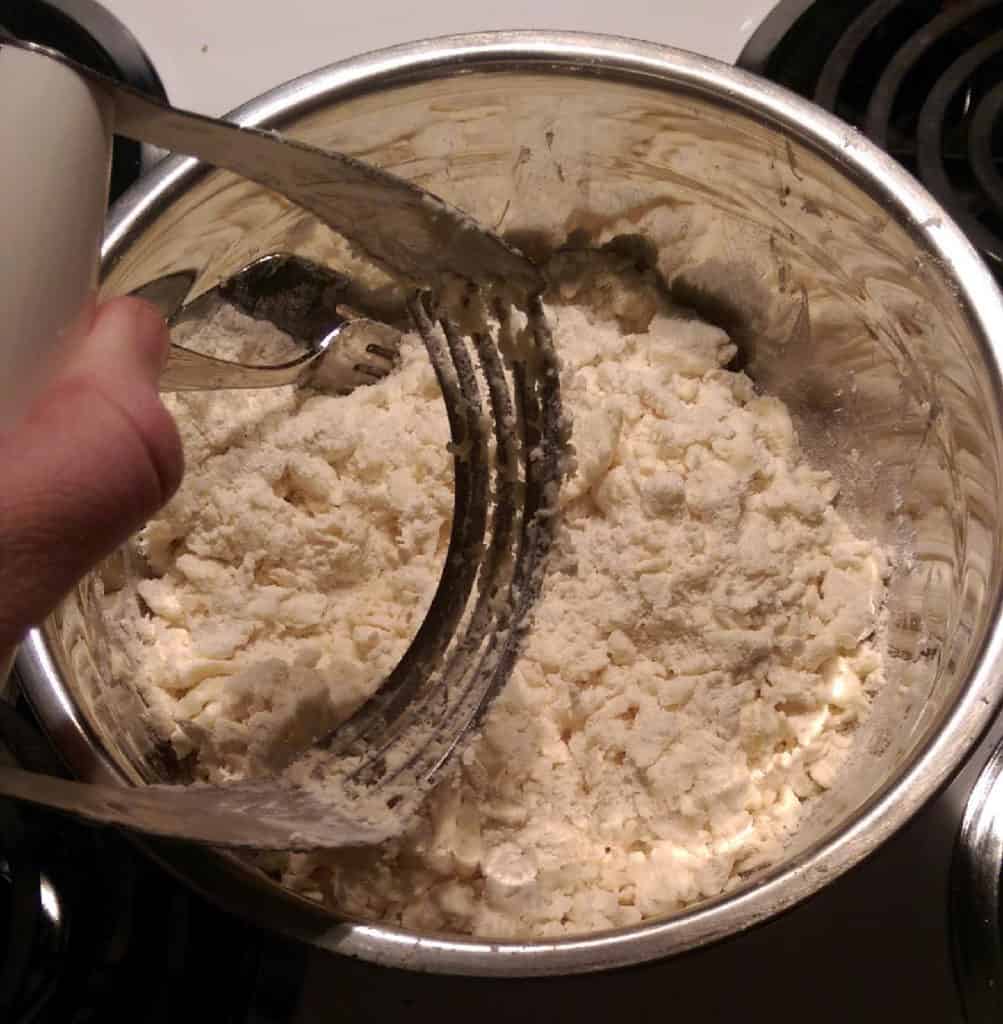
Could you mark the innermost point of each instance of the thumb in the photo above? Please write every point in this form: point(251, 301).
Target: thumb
point(94, 457)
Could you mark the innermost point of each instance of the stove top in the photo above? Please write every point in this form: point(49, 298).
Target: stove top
point(921, 78)
point(215, 56)
point(92, 928)
point(97, 932)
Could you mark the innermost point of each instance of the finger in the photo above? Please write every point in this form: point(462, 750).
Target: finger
point(96, 455)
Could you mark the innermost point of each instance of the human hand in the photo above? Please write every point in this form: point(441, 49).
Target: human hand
point(95, 455)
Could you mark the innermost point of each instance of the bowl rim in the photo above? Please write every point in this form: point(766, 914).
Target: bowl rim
point(218, 875)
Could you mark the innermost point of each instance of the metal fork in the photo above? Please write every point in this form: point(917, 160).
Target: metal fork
point(300, 299)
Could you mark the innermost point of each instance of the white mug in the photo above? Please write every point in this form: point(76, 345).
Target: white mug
point(55, 161)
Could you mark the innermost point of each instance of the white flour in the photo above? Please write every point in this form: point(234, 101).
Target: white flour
point(700, 658)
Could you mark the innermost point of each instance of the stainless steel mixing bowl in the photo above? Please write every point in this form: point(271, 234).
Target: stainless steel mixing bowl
point(852, 295)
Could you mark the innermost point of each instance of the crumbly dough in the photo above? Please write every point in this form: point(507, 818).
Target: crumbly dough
point(702, 653)
point(291, 570)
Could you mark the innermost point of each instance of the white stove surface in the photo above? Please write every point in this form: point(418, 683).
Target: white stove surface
point(214, 54)
point(874, 945)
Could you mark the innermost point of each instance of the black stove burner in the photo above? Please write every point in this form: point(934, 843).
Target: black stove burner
point(92, 931)
point(85, 31)
point(921, 78)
